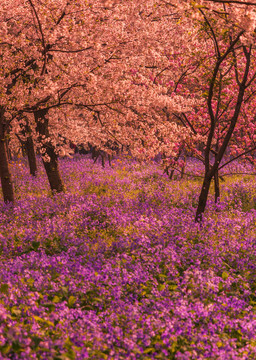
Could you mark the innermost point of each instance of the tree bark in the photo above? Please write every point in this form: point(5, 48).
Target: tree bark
point(8, 151)
point(203, 198)
point(216, 186)
point(28, 147)
point(171, 174)
point(23, 150)
point(50, 161)
point(6, 181)
point(30, 150)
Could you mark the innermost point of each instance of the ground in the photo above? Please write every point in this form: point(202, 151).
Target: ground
point(116, 268)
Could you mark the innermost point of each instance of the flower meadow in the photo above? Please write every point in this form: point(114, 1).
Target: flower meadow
point(116, 268)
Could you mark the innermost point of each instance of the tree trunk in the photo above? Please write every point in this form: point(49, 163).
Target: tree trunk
point(30, 149)
point(8, 151)
point(216, 186)
point(53, 174)
point(171, 173)
point(5, 174)
point(29, 145)
point(203, 198)
point(50, 160)
point(23, 150)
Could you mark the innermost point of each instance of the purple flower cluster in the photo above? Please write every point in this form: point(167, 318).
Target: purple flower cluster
point(116, 268)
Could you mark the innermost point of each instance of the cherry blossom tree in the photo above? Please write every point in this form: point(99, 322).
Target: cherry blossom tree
point(227, 84)
point(24, 60)
point(41, 40)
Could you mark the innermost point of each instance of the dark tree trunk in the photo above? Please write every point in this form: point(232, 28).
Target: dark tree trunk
point(30, 150)
point(217, 186)
point(51, 160)
point(23, 150)
point(171, 173)
point(8, 151)
point(28, 147)
point(53, 174)
point(203, 198)
point(5, 174)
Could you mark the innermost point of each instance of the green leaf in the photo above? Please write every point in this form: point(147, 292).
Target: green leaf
point(36, 341)
point(161, 287)
point(5, 348)
point(35, 245)
point(41, 320)
point(4, 288)
point(30, 282)
point(97, 299)
point(172, 287)
point(162, 276)
point(149, 350)
point(224, 275)
point(16, 346)
point(56, 299)
point(174, 347)
point(71, 301)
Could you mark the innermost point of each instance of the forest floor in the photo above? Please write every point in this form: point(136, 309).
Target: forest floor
point(116, 267)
